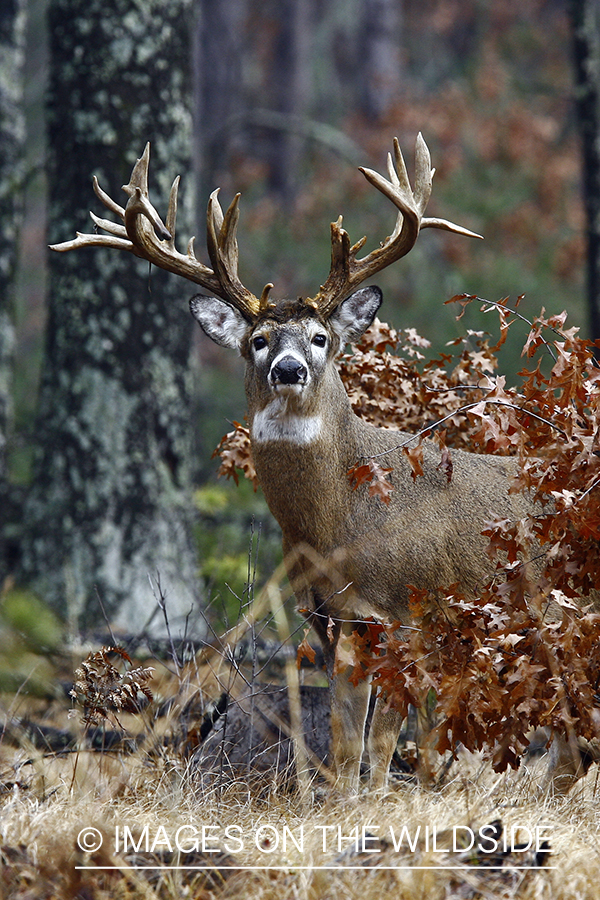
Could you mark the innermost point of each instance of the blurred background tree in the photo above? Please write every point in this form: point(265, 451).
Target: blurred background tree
point(287, 99)
point(109, 502)
point(12, 175)
point(585, 24)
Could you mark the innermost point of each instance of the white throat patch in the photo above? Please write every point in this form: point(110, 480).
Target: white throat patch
point(274, 423)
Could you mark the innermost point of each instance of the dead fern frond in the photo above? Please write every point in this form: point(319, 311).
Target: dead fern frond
point(102, 689)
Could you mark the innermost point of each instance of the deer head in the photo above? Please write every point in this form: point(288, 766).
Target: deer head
point(288, 345)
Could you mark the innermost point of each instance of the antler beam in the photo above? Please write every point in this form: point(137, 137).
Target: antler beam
point(144, 234)
point(347, 271)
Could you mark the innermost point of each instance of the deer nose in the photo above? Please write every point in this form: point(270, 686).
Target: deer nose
point(289, 370)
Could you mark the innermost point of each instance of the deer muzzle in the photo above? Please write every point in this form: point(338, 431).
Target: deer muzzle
point(289, 370)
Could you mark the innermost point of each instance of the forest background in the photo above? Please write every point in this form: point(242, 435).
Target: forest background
point(111, 402)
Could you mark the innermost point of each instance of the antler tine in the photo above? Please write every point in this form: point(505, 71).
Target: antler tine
point(139, 174)
point(347, 271)
point(119, 241)
point(139, 206)
point(214, 220)
point(108, 201)
point(423, 173)
point(94, 240)
point(171, 222)
point(144, 234)
point(110, 227)
point(221, 241)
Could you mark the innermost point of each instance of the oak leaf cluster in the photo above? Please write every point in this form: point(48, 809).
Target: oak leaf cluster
point(526, 651)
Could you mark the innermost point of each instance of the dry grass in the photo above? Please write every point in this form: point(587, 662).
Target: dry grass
point(53, 799)
point(263, 842)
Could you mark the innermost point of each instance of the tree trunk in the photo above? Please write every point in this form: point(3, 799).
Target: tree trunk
point(12, 134)
point(286, 91)
point(585, 24)
point(110, 503)
point(219, 38)
point(380, 67)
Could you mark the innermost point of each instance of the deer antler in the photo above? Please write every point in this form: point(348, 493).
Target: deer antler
point(346, 271)
point(144, 234)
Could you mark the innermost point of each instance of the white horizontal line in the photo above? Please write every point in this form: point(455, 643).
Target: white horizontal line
point(226, 868)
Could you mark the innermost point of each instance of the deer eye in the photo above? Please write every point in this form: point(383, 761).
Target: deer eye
point(319, 340)
point(259, 342)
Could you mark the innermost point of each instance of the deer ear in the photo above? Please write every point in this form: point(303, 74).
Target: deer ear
point(352, 317)
point(221, 322)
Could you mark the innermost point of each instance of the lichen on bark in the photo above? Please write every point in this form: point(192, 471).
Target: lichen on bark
point(110, 504)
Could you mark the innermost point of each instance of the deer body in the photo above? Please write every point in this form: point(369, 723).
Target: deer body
point(348, 555)
point(425, 520)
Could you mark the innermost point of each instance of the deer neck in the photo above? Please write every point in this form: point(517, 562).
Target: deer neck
point(302, 453)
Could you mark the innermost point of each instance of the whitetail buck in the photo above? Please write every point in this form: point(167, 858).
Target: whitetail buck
point(349, 556)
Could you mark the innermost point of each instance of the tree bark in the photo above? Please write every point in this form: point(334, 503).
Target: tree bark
point(286, 91)
point(110, 502)
point(380, 67)
point(585, 24)
point(219, 38)
point(12, 135)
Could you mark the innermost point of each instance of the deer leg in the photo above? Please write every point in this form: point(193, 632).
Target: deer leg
point(349, 707)
point(349, 703)
point(570, 759)
point(383, 738)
